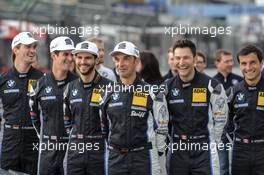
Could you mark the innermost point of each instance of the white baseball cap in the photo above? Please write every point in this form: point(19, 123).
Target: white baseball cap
point(86, 46)
point(127, 48)
point(23, 38)
point(61, 43)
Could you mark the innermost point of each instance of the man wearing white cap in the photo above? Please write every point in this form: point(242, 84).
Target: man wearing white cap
point(134, 119)
point(18, 151)
point(46, 103)
point(85, 153)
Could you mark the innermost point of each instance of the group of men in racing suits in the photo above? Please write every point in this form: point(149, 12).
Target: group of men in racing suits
point(87, 124)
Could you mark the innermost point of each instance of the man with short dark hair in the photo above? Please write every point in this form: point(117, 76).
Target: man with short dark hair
point(81, 114)
point(134, 119)
point(18, 152)
point(200, 61)
point(198, 110)
point(46, 103)
point(246, 109)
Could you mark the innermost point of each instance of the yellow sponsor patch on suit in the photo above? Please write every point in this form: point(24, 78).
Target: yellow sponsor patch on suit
point(95, 96)
point(140, 99)
point(199, 95)
point(261, 99)
point(30, 83)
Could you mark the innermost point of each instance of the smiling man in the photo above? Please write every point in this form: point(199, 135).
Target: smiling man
point(134, 120)
point(198, 110)
point(46, 102)
point(246, 109)
point(81, 114)
point(19, 136)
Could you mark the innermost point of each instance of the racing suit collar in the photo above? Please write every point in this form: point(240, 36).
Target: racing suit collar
point(258, 85)
point(131, 87)
point(187, 84)
point(21, 75)
point(95, 80)
point(136, 81)
point(59, 82)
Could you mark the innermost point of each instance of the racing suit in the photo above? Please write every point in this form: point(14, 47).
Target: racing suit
point(86, 149)
point(46, 103)
point(224, 155)
point(167, 76)
point(246, 104)
point(18, 151)
point(198, 112)
point(231, 80)
point(135, 121)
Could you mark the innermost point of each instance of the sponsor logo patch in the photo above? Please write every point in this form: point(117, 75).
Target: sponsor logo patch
point(95, 96)
point(199, 95)
point(139, 114)
point(261, 99)
point(140, 99)
point(30, 83)
point(10, 83)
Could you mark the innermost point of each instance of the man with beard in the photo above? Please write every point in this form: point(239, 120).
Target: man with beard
point(86, 149)
point(18, 152)
point(134, 118)
point(102, 70)
point(46, 102)
point(198, 111)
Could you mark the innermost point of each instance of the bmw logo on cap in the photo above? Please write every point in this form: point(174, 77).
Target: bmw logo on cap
point(29, 35)
point(68, 41)
point(122, 46)
point(85, 46)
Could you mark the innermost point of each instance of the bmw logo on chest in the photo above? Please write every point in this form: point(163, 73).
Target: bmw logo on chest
point(10, 83)
point(48, 90)
point(115, 97)
point(175, 92)
point(240, 97)
point(74, 92)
